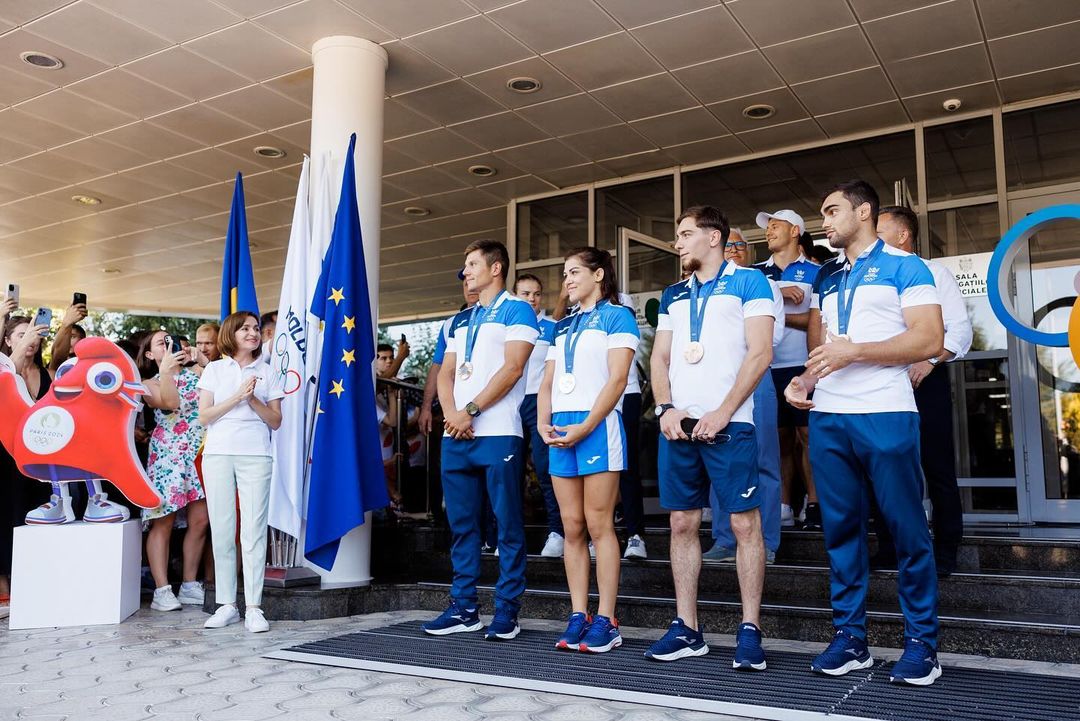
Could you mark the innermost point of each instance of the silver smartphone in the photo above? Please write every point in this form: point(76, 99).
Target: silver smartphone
point(13, 292)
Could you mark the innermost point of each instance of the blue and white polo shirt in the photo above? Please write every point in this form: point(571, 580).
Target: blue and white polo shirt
point(509, 319)
point(739, 294)
point(801, 274)
point(605, 327)
point(896, 281)
point(534, 371)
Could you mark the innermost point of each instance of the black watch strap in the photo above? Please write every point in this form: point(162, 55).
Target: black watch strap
point(664, 408)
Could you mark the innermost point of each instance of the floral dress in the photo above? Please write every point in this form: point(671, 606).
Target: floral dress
point(173, 446)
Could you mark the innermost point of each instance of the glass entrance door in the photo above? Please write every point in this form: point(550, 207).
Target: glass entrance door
point(1047, 275)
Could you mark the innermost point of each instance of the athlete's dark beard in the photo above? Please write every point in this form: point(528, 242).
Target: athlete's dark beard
point(691, 265)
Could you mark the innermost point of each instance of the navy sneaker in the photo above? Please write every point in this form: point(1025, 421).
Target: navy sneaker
point(845, 653)
point(576, 626)
point(918, 666)
point(680, 641)
point(457, 618)
point(504, 626)
point(749, 655)
point(602, 636)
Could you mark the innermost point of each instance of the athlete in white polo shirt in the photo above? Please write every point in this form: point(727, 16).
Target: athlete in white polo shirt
point(578, 411)
point(899, 227)
point(881, 313)
point(713, 344)
point(795, 275)
point(530, 289)
point(481, 387)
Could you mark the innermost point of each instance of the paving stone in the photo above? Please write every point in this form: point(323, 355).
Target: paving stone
point(273, 693)
point(195, 703)
point(322, 699)
point(458, 693)
point(255, 711)
point(511, 700)
point(444, 712)
point(576, 711)
point(146, 696)
point(174, 678)
point(376, 708)
point(390, 685)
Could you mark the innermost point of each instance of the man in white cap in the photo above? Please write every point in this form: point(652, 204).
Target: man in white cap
point(795, 275)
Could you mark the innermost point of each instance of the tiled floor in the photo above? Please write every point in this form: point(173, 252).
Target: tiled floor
point(166, 666)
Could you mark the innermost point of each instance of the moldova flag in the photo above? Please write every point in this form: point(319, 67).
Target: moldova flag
point(237, 280)
point(347, 477)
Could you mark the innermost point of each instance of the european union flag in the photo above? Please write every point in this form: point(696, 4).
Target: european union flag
point(237, 280)
point(346, 454)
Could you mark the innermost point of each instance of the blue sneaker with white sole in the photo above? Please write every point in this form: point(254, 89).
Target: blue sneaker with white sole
point(457, 618)
point(504, 626)
point(846, 653)
point(576, 626)
point(918, 666)
point(680, 641)
point(749, 655)
point(602, 636)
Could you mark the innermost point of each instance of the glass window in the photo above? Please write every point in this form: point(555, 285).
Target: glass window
point(550, 227)
point(647, 206)
point(550, 278)
point(984, 419)
point(960, 159)
point(961, 231)
point(797, 180)
point(1042, 146)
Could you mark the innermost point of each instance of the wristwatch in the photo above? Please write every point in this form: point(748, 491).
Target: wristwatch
point(933, 361)
point(662, 409)
point(472, 409)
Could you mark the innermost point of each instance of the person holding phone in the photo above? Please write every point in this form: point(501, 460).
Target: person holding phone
point(713, 344)
point(173, 395)
point(578, 417)
point(239, 408)
point(69, 333)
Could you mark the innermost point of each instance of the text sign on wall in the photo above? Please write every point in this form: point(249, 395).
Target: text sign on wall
point(970, 271)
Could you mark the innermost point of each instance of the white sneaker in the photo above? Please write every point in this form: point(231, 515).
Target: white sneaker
point(164, 600)
point(553, 547)
point(51, 513)
point(191, 593)
point(787, 518)
point(255, 622)
point(635, 548)
point(592, 551)
point(99, 509)
point(225, 616)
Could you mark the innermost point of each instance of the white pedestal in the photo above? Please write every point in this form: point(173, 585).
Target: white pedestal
point(77, 574)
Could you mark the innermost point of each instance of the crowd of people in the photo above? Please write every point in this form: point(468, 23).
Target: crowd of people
point(203, 435)
point(804, 365)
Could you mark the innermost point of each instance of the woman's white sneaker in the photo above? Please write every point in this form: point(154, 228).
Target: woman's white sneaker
point(225, 616)
point(164, 600)
point(191, 593)
point(255, 622)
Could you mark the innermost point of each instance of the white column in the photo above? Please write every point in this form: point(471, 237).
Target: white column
point(347, 97)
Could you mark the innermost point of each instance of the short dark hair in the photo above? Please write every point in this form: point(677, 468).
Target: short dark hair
point(707, 216)
point(267, 318)
point(528, 276)
point(857, 192)
point(182, 339)
point(493, 252)
point(78, 330)
point(599, 259)
point(384, 348)
point(907, 218)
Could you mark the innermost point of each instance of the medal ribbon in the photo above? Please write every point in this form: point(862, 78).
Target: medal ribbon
point(697, 315)
point(852, 277)
point(574, 335)
point(475, 321)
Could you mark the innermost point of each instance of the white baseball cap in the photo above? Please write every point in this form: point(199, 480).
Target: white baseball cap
point(789, 215)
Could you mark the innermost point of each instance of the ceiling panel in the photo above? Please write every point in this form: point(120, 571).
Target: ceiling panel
point(951, 68)
point(124, 91)
point(93, 32)
point(500, 131)
point(1037, 50)
point(404, 19)
point(98, 153)
point(545, 155)
point(608, 142)
point(64, 107)
point(730, 112)
point(185, 72)
point(730, 77)
point(576, 174)
point(250, 51)
point(150, 140)
point(974, 97)
point(76, 65)
point(1044, 82)
point(204, 124)
point(305, 22)
point(470, 46)
point(452, 102)
point(598, 63)
point(15, 86)
point(859, 119)
point(18, 12)
point(174, 21)
point(704, 150)
point(25, 128)
point(1009, 17)
point(927, 30)
point(546, 25)
point(647, 96)
point(777, 136)
point(694, 38)
point(553, 84)
point(680, 127)
point(569, 115)
point(777, 21)
point(425, 181)
point(435, 146)
point(260, 107)
point(819, 56)
point(843, 92)
point(873, 9)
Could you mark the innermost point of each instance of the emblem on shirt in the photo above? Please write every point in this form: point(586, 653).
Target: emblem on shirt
point(594, 321)
point(871, 274)
point(720, 287)
point(800, 274)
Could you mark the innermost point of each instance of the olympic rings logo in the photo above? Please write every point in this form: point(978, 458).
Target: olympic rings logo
point(997, 285)
point(291, 380)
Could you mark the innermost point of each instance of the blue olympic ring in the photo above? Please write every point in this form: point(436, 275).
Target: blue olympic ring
point(1001, 263)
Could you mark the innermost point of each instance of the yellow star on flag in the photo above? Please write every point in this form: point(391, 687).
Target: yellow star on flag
point(348, 357)
point(337, 295)
point(349, 324)
point(339, 387)
point(318, 409)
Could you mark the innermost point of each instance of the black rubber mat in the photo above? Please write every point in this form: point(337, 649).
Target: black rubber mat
point(787, 690)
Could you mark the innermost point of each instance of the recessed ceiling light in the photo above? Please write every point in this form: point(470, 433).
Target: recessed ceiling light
point(575, 219)
point(524, 85)
point(417, 211)
point(269, 151)
point(759, 112)
point(483, 171)
point(43, 61)
point(110, 271)
point(86, 200)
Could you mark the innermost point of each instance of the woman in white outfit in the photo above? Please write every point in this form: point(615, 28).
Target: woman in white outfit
point(239, 407)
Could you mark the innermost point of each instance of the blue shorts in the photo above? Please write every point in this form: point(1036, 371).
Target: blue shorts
point(602, 450)
point(689, 469)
